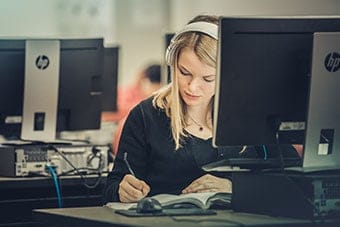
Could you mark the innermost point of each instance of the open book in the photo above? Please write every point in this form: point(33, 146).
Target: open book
point(203, 200)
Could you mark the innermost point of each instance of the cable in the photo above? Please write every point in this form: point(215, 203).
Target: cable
point(99, 169)
point(285, 175)
point(80, 170)
point(76, 140)
point(244, 148)
point(264, 152)
point(77, 171)
point(56, 185)
point(39, 142)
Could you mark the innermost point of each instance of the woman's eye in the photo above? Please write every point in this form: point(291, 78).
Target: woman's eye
point(184, 72)
point(209, 79)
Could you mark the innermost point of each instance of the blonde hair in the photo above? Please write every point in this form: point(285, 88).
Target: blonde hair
point(168, 98)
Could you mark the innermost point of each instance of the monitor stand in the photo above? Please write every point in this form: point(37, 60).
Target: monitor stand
point(42, 59)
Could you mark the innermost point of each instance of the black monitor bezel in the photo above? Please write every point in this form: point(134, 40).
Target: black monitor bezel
point(230, 27)
point(68, 118)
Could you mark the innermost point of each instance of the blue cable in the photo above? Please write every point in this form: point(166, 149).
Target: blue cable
point(265, 152)
point(56, 185)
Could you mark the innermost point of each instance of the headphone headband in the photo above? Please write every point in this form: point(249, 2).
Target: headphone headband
point(201, 26)
point(207, 28)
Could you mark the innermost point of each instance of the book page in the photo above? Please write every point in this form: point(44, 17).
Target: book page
point(201, 200)
point(198, 199)
point(121, 206)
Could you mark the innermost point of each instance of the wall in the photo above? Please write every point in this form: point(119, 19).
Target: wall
point(183, 10)
point(57, 18)
point(138, 26)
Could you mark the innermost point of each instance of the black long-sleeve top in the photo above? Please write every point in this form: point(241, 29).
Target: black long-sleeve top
point(147, 139)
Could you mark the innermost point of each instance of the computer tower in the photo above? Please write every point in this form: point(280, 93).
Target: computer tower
point(299, 195)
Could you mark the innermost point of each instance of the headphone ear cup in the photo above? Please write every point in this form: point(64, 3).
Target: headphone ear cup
point(169, 53)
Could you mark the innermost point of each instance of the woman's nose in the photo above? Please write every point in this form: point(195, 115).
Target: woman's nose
point(194, 83)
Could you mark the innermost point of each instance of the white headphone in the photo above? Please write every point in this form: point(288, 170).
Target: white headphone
point(201, 26)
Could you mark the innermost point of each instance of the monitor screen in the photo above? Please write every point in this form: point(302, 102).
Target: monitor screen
point(263, 79)
point(80, 84)
point(110, 79)
point(263, 86)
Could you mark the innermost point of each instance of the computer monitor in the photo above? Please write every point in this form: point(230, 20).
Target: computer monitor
point(110, 79)
point(263, 90)
point(80, 72)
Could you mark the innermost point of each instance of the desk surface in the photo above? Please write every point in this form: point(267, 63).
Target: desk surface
point(104, 216)
point(20, 195)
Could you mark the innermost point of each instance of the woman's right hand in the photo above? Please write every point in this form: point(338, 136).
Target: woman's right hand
point(132, 189)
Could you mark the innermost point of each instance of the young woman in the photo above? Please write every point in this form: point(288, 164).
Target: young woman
point(168, 138)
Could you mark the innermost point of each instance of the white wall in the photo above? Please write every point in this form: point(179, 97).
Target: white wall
point(184, 10)
point(58, 18)
point(138, 26)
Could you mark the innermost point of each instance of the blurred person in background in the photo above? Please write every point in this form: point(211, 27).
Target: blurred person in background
point(147, 82)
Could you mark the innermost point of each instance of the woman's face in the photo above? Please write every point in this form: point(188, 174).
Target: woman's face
point(196, 79)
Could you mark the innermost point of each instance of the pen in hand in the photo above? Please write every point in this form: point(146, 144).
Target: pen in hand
point(128, 165)
point(139, 185)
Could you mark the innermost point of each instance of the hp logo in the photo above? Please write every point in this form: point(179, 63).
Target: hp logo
point(332, 62)
point(42, 62)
